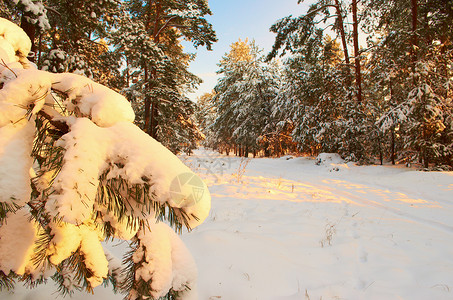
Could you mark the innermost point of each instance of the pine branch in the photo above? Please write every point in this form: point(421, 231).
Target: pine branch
point(7, 282)
point(5, 208)
point(122, 198)
point(74, 264)
point(60, 125)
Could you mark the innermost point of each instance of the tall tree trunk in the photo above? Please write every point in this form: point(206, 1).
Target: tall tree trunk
point(147, 102)
point(414, 44)
point(392, 142)
point(151, 106)
point(355, 33)
point(155, 102)
point(392, 145)
point(30, 30)
point(342, 32)
point(154, 120)
point(381, 154)
point(147, 116)
point(266, 149)
point(414, 40)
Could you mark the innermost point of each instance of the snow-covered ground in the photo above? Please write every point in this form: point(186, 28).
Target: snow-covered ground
point(290, 229)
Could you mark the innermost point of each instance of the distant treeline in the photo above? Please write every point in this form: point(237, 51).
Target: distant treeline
point(319, 90)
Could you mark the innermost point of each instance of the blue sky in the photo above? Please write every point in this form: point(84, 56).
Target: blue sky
point(234, 19)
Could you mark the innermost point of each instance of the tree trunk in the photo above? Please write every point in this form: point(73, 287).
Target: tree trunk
point(266, 149)
point(381, 155)
point(355, 33)
point(147, 103)
point(414, 41)
point(155, 102)
point(342, 33)
point(425, 158)
point(30, 30)
point(151, 106)
point(392, 145)
point(154, 120)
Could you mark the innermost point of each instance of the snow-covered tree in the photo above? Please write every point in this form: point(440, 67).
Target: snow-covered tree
point(75, 171)
point(412, 54)
point(78, 38)
point(205, 115)
point(244, 96)
point(149, 41)
point(325, 107)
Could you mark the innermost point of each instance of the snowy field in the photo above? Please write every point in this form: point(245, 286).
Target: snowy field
point(290, 229)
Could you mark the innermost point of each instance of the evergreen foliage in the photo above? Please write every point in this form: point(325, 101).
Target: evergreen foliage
point(243, 99)
point(392, 103)
point(75, 171)
point(160, 78)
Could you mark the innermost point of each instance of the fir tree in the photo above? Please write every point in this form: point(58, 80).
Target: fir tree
point(161, 74)
point(415, 36)
point(243, 98)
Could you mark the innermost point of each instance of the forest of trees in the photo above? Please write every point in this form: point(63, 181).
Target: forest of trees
point(320, 90)
point(367, 79)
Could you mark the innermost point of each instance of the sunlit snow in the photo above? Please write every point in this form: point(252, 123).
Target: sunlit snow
point(289, 228)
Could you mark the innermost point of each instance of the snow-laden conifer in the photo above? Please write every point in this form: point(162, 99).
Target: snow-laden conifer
point(75, 171)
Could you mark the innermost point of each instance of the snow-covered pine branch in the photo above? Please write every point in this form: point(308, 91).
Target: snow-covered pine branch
point(74, 171)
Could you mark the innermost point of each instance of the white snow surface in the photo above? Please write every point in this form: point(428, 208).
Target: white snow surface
point(12, 247)
point(289, 229)
point(15, 161)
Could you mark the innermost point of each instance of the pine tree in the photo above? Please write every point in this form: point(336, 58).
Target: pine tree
point(76, 171)
point(161, 73)
point(79, 35)
point(292, 33)
point(243, 98)
point(415, 35)
point(165, 22)
point(328, 118)
point(205, 115)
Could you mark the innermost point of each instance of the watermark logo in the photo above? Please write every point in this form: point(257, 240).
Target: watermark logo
point(186, 189)
point(213, 163)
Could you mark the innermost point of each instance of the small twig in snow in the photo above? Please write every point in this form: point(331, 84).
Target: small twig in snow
point(6, 66)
